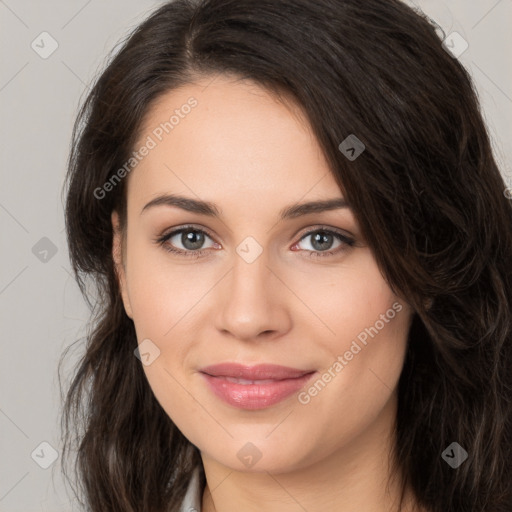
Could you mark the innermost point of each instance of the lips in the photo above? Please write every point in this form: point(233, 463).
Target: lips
point(255, 387)
point(260, 372)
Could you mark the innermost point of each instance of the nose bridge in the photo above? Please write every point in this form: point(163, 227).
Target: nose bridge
point(250, 303)
point(250, 272)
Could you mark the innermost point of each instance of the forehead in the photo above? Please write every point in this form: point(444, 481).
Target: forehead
point(229, 138)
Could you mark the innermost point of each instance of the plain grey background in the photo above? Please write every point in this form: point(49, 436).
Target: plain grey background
point(41, 308)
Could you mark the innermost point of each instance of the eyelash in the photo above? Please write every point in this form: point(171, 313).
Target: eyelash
point(200, 252)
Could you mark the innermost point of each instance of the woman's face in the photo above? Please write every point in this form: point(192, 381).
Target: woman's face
point(300, 290)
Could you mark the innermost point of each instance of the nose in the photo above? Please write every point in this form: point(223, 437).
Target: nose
point(251, 302)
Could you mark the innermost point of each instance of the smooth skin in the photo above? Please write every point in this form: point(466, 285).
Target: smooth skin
point(253, 155)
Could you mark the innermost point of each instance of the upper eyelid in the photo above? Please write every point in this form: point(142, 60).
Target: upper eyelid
point(179, 229)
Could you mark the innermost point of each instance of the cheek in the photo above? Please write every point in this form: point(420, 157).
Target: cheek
point(358, 380)
point(348, 298)
point(165, 301)
point(162, 294)
point(371, 325)
point(366, 346)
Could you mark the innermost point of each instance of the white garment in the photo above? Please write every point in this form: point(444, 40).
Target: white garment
point(193, 498)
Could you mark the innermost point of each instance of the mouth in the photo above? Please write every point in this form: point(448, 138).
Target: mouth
point(256, 387)
point(259, 372)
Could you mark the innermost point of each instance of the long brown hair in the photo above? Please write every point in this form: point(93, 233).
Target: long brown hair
point(426, 192)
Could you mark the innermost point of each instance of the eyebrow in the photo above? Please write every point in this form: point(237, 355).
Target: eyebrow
point(211, 210)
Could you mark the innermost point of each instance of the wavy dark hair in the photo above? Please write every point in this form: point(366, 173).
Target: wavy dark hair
point(427, 194)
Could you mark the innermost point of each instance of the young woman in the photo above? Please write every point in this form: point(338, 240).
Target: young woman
point(302, 252)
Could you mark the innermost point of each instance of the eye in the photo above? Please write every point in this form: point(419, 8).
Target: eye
point(323, 239)
point(189, 237)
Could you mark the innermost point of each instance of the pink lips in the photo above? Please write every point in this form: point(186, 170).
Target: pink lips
point(254, 387)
